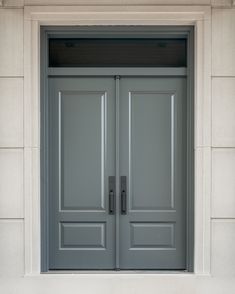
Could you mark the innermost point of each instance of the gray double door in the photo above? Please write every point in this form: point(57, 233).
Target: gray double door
point(117, 172)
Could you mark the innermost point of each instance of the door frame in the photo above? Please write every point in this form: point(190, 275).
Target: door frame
point(117, 32)
point(197, 16)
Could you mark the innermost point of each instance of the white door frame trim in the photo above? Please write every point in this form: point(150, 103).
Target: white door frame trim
point(36, 16)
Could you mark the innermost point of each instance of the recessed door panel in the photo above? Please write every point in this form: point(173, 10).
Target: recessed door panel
point(153, 160)
point(151, 129)
point(83, 235)
point(81, 151)
point(152, 235)
point(82, 132)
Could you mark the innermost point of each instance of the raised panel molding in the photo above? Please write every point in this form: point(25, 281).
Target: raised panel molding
point(152, 235)
point(79, 236)
point(135, 127)
point(75, 104)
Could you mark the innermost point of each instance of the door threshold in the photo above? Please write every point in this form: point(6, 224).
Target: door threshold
point(77, 272)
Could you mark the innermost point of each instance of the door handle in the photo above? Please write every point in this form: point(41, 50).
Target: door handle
point(123, 195)
point(111, 195)
point(111, 202)
point(123, 202)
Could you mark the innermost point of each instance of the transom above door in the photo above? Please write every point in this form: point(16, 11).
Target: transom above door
point(117, 167)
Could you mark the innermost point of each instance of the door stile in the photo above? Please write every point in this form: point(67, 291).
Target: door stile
point(117, 173)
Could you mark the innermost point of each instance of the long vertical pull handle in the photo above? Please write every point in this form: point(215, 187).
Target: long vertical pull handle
point(111, 202)
point(111, 195)
point(123, 195)
point(123, 202)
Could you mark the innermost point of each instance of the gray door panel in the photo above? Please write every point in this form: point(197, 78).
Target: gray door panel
point(152, 152)
point(153, 158)
point(81, 152)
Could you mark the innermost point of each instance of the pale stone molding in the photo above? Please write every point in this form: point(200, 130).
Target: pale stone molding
point(114, 3)
point(223, 3)
point(13, 3)
point(200, 17)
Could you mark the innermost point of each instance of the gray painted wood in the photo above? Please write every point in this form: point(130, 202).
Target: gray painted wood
point(81, 158)
point(153, 158)
point(151, 146)
point(117, 154)
point(113, 32)
point(117, 71)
